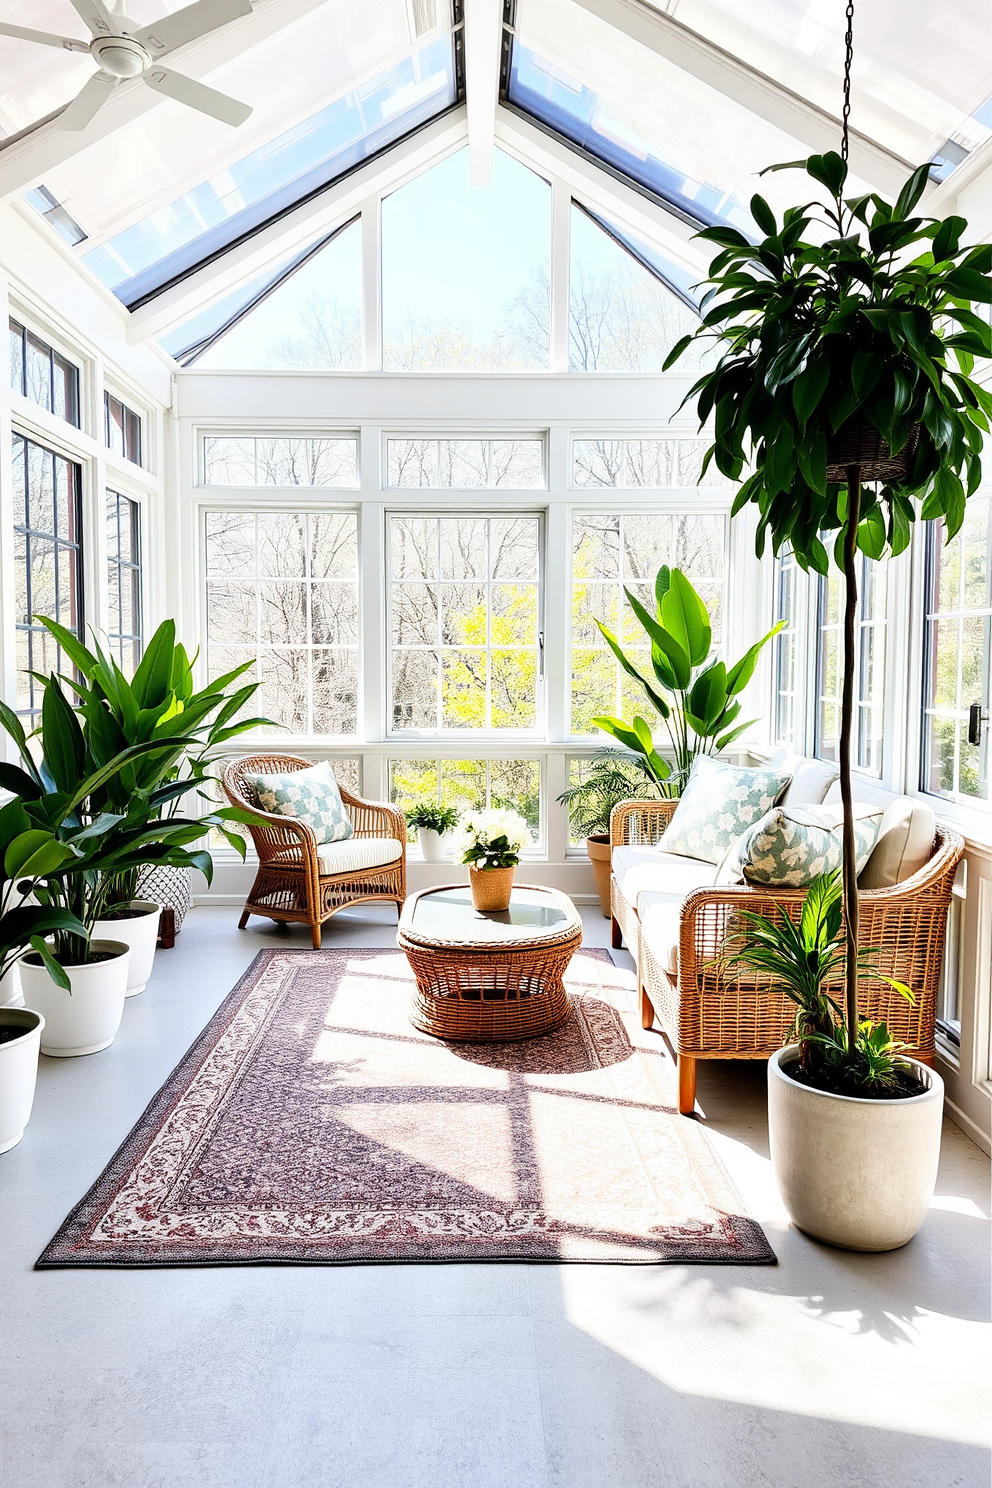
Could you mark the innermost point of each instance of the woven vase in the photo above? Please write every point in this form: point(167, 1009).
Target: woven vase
point(491, 888)
point(859, 443)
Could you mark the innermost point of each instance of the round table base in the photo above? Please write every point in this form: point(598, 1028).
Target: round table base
point(487, 996)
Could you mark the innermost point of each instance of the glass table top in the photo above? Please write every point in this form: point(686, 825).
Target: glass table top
point(448, 914)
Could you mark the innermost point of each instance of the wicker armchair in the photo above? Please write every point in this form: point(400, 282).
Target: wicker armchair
point(707, 1014)
point(289, 884)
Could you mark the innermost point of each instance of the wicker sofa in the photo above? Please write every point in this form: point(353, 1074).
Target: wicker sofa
point(299, 879)
point(679, 919)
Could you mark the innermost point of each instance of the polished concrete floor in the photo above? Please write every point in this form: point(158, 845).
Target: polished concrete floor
point(830, 1370)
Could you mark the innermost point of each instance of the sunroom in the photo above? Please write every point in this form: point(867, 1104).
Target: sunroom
point(496, 925)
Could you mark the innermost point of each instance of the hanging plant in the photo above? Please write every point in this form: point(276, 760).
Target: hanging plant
point(848, 338)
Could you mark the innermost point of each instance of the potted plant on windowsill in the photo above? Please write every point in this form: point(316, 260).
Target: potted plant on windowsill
point(613, 776)
point(25, 854)
point(491, 842)
point(433, 825)
point(159, 703)
point(846, 357)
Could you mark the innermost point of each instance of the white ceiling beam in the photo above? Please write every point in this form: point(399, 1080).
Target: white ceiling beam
point(483, 40)
point(26, 158)
point(761, 95)
point(298, 229)
point(598, 188)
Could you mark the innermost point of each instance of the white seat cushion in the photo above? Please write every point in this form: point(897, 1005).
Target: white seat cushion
point(660, 917)
point(904, 845)
point(811, 779)
point(358, 852)
point(640, 869)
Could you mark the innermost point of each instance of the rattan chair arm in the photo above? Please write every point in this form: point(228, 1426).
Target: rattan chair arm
point(640, 822)
point(370, 817)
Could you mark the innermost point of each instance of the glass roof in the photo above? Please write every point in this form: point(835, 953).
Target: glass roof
point(922, 71)
point(658, 126)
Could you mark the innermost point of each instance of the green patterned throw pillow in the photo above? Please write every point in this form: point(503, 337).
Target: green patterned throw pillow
point(792, 845)
point(718, 803)
point(311, 796)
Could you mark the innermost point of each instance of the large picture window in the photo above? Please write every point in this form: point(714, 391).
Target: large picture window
point(282, 591)
point(124, 628)
point(470, 785)
point(869, 666)
point(611, 551)
point(48, 577)
point(465, 619)
point(958, 656)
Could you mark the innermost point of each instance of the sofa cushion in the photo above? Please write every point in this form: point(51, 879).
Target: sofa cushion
point(792, 845)
point(811, 779)
point(904, 845)
point(310, 796)
point(718, 803)
point(660, 919)
point(640, 869)
point(358, 853)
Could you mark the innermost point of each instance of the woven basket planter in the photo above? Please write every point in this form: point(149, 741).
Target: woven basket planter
point(491, 888)
point(858, 443)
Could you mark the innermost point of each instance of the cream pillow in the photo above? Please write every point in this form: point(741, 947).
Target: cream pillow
point(905, 843)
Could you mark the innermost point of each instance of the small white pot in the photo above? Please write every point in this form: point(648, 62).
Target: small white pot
point(139, 933)
point(10, 988)
point(433, 845)
point(854, 1172)
point(86, 1019)
point(18, 1073)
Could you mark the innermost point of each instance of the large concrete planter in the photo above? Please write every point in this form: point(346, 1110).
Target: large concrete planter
point(86, 1019)
point(139, 933)
point(856, 1173)
point(18, 1071)
point(600, 856)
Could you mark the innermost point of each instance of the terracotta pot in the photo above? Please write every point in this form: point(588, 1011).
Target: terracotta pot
point(600, 856)
point(491, 888)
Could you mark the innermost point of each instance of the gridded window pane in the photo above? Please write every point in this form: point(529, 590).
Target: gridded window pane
point(124, 628)
point(122, 428)
point(869, 666)
point(229, 461)
point(48, 560)
point(634, 463)
point(465, 607)
point(469, 785)
point(40, 373)
point(612, 551)
point(282, 591)
point(958, 656)
point(465, 464)
point(784, 659)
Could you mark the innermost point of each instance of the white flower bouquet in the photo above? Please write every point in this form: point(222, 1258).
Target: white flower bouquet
point(491, 839)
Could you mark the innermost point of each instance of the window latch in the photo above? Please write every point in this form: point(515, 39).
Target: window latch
point(540, 653)
point(976, 717)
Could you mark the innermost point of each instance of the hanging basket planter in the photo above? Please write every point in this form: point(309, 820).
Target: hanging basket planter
point(859, 443)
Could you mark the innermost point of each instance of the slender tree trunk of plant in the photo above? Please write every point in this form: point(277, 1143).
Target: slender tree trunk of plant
point(850, 870)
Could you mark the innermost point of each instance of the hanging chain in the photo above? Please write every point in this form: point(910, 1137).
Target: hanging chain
point(848, 58)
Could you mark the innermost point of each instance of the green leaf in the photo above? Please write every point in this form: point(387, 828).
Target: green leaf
point(871, 533)
point(62, 738)
point(662, 584)
point(763, 215)
point(809, 386)
point(685, 619)
point(968, 284)
point(151, 682)
point(911, 192)
point(35, 854)
point(947, 237)
point(829, 169)
point(676, 351)
point(55, 971)
point(708, 698)
point(740, 674)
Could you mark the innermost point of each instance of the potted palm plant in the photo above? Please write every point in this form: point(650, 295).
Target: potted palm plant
point(159, 703)
point(433, 825)
point(613, 776)
point(848, 338)
point(26, 853)
point(695, 694)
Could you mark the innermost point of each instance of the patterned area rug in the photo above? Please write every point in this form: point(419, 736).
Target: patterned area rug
point(311, 1123)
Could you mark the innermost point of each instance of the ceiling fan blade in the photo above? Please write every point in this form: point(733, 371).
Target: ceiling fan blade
point(97, 17)
point(45, 38)
point(192, 21)
point(86, 103)
point(196, 95)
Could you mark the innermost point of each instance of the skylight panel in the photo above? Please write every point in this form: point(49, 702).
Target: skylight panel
point(235, 202)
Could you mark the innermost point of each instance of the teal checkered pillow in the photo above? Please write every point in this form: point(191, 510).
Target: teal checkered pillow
point(792, 845)
point(311, 796)
point(718, 803)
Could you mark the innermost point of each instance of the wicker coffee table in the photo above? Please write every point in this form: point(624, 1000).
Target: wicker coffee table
point(489, 977)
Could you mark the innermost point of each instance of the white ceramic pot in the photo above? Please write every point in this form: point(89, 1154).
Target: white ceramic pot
point(10, 988)
point(18, 1072)
point(86, 1019)
point(433, 845)
point(856, 1173)
point(139, 933)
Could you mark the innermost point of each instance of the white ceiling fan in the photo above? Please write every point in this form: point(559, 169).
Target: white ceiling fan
point(124, 50)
